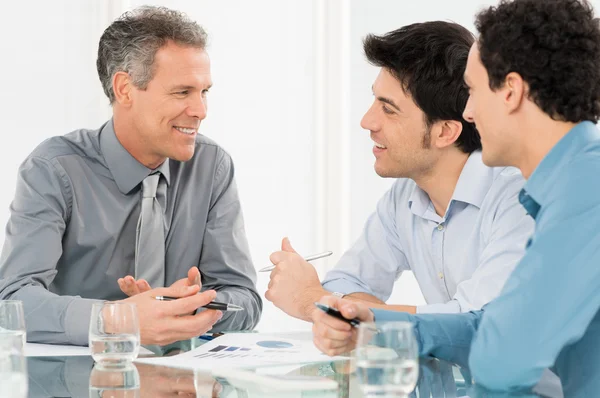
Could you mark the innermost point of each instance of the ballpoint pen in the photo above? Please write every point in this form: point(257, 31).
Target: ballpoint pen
point(309, 258)
point(213, 305)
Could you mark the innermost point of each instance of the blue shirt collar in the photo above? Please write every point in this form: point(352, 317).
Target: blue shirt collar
point(125, 169)
point(540, 183)
point(473, 184)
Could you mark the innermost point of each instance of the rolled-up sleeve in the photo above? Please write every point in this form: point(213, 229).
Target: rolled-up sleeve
point(32, 248)
point(225, 263)
point(376, 260)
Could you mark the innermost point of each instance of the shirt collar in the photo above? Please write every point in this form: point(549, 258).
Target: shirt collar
point(125, 169)
point(540, 183)
point(473, 184)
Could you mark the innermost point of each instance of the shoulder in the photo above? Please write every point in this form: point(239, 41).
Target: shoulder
point(82, 143)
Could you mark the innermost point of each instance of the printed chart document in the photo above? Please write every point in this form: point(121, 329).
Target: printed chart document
point(245, 350)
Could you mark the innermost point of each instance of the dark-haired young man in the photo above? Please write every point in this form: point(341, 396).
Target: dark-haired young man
point(451, 220)
point(535, 96)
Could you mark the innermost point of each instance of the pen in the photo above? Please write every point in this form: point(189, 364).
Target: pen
point(213, 305)
point(336, 314)
point(309, 258)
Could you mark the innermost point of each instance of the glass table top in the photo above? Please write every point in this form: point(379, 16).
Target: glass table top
point(77, 376)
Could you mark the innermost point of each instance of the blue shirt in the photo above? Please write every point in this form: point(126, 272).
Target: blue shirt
point(461, 260)
point(548, 313)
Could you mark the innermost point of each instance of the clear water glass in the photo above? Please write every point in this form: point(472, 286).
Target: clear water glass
point(12, 320)
point(115, 382)
point(114, 336)
point(13, 366)
point(386, 357)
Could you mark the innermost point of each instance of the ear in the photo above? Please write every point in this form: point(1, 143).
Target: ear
point(448, 132)
point(122, 87)
point(514, 91)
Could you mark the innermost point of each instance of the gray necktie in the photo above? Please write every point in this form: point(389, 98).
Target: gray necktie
point(150, 235)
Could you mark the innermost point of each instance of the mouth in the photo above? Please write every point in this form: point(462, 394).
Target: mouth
point(378, 148)
point(186, 130)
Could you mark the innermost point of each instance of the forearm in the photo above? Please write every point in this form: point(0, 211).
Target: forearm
point(374, 302)
point(54, 319)
point(444, 336)
point(239, 320)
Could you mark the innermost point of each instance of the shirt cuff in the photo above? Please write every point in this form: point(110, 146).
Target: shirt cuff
point(451, 307)
point(77, 320)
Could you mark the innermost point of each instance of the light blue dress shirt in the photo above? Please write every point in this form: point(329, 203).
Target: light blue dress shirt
point(460, 261)
point(548, 313)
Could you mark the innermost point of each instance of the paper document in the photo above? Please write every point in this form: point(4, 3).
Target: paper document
point(245, 350)
point(57, 350)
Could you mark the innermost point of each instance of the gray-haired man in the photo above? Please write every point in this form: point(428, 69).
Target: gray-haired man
point(102, 214)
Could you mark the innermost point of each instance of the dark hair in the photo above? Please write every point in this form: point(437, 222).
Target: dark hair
point(130, 43)
point(429, 61)
point(554, 45)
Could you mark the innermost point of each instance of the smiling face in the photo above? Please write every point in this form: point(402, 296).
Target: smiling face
point(397, 125)
point(166, 115)
point(488, 110)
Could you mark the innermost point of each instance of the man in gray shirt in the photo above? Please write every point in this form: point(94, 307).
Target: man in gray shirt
point(75, 225)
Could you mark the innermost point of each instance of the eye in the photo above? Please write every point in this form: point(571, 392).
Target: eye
point(387, 110)
point(183, 92)
point(205, 91)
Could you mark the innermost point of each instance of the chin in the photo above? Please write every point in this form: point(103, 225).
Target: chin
point(182, 156)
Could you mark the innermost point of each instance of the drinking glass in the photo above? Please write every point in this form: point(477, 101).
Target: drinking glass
point(12, 320)
point(386, 356)
point(114, 336)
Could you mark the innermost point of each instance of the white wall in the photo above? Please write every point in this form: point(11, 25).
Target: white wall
point(290, 87)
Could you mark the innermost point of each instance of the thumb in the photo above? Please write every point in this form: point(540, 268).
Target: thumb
point(194, 277)
point(286, 246)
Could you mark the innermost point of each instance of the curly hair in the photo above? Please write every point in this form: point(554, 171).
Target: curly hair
point(554, 45)
point(130, 43)
point(429, 60)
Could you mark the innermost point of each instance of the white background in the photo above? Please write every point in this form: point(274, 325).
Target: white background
point(290, 87)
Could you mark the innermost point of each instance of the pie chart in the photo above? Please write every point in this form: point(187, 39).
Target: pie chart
point(274, 344)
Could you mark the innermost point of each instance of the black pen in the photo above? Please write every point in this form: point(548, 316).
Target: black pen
point(336, 314)
point(213, 305)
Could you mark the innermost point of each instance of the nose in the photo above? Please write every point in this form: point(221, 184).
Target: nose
point(468, 112)
point(369, 120)
point(197, 107)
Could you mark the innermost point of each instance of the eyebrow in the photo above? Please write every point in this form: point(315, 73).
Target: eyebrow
point(387, 101)
point(187, 87)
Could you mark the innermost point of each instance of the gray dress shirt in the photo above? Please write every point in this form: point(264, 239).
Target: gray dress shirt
point(71, 233)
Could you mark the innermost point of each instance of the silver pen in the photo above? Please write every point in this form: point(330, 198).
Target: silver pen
point(309, 258)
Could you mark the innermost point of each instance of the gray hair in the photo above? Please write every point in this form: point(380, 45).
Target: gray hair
point(130, 43)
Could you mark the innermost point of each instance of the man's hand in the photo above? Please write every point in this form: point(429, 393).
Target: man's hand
point(333, 336)
point(131, 287)
point(164, 322)
point(294, 285)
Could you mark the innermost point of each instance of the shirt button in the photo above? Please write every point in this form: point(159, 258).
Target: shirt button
point(441, 275)
point(440, 227)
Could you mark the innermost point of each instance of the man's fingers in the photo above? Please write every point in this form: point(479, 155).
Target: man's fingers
point(196, 324)
point(176, 291)
point(329, 333)
point(194, 276)
point(188, 304)
point(286, 246)
point(319, 317)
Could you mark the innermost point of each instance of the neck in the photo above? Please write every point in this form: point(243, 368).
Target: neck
point(129, 136)
point(440, 181)
point(539, 139)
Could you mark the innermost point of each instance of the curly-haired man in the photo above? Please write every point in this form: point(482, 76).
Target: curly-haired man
point(534, 83)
